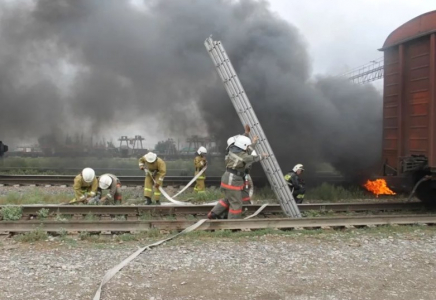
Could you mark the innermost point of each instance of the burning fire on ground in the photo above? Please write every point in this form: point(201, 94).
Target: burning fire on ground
point(378, 187)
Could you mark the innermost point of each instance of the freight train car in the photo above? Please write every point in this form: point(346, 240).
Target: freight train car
point(409, 107)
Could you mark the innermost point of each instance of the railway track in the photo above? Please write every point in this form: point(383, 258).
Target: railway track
point(131, 211)
point(67, 180)
point(177, 225)
point(73, 218)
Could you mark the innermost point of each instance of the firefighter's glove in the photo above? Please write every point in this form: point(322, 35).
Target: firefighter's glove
point(93, 201)
point(141, 168)
point(156, 185)
point(247, 129)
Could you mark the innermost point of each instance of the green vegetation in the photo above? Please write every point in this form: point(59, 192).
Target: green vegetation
point(90, 217)
point(36, 196)
point(198, 237)
point(11, 213)
point(211, 194)
point(119, 166)
point(43, 213)
point(32, 236)
point(329, 192)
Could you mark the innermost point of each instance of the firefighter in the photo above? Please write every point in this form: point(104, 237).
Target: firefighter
point(199, 163)
point(112, 183)
point(156, 170)
point(296, 183)
point(232, 181)
point(245, 193)
point(85, 185)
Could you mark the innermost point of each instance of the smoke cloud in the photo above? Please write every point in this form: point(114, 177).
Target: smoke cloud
point(89, 66)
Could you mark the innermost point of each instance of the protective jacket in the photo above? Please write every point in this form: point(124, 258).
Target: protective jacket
point(294, 181)
point(114, 188)
point(158, 169)
point(81, 187)
point(199, 163)
point(237, 161)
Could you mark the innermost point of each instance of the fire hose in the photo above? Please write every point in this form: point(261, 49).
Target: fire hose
point(168, 197)
point(171, 199)
point(111, 272)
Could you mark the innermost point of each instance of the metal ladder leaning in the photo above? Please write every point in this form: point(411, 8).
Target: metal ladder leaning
point(248, 116)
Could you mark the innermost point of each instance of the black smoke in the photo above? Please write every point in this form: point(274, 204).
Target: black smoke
point(90, 66)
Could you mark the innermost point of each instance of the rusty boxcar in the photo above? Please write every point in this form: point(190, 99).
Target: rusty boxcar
point(409, 106)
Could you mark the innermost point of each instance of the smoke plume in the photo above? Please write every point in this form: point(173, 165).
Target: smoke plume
point(92, 66)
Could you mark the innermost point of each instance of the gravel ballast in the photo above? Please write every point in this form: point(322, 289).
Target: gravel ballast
point(332, 265)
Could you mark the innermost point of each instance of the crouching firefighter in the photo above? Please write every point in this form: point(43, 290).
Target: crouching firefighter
point(296, 184)
point(85, 186)
point(232, 181)
point(199, 163)
point(156, 170)
point(112, 183)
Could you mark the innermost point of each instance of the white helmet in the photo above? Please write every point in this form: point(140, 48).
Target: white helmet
point(298, 167)
point(88, 175)
point(150, 157)
point(242, 142)
point(231, 140)
point(201, 150)
point(105, 182)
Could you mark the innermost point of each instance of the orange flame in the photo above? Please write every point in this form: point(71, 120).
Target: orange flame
point(378, 187)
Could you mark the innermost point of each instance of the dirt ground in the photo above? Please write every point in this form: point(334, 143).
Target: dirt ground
point(393, 263)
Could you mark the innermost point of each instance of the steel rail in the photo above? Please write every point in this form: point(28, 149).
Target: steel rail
point(139, 180)
point(279, 223)
point(125, 180)
point(131, 210)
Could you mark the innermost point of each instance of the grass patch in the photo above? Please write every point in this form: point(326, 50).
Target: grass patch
point(90, 217)
point(43, 213)
point(124, 166)
point(264, 194)
point(35, 196)
point(32, 236)
point(11, 213)
point(62, 218)
point(147, 216)
point(320, 213)
point(127, 237)
point(152, 233)
point(68, 240)
point(191, 218)
point(329, 192)
point(62, 232)
point(210, 195)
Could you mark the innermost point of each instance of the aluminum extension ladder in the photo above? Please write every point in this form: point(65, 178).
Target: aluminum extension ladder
point(248, 116)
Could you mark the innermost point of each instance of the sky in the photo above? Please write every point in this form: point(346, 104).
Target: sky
point(343, 34)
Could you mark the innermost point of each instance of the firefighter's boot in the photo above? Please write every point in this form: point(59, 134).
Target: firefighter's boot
point(148, 201)
point(212, 216)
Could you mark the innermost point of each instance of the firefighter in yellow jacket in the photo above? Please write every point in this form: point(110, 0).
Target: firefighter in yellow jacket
point(85, 185)
point(199, 163)
point(156, 170)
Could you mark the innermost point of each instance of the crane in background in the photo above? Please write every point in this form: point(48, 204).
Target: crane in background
point(366, 73)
